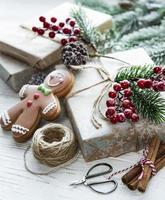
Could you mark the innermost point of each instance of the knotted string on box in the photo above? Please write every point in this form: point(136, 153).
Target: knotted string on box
point(106, 79)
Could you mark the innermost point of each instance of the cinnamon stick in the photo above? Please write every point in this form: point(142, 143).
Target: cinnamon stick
point(137, 169)
point(159, 164)
point(153, 149)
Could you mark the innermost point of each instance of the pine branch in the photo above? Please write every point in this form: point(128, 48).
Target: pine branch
point(100, 41)
point(88, 32)
point(138, 38)
point(134, 72)
point(125, 23)
point(101, 6)
point(149, 104)
point(158, 54)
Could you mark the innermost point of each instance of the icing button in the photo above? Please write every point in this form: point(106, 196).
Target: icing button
point(29, 103)
point(36, 96)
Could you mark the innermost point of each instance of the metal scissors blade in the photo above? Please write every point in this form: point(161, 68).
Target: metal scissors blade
point(78, 182)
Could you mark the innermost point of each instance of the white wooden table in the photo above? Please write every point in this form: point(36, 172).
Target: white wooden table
point(18, 184)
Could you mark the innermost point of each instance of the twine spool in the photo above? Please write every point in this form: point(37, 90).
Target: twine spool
point(54, 144)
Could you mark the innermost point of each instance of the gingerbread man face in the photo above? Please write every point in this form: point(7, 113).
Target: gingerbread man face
point(37, 102)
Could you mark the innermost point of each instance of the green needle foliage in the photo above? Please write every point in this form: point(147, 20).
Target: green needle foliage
point(141, 25)
point(148, 103)
point(90, 34)
point(101, 6)
point(134, 72)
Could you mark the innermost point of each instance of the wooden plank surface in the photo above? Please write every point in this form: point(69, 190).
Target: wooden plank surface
point(18, 184)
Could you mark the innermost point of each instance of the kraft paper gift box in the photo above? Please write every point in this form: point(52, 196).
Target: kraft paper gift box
point(38, 51)
point(109, 140)
point(14, 72)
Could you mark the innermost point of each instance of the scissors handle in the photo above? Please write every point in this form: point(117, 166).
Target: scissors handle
point(90, 185)
point(107, 171)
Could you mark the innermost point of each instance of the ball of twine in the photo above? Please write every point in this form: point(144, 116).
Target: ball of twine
point(54, 144)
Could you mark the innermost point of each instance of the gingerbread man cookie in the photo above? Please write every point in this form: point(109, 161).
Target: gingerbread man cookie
point(37, 102)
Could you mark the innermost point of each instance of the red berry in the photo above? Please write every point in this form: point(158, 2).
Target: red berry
point(148, 83)
point(77, 31)
point(126, 103)
point(67, 19)
point(128, 113)
point(63, 41)
point(72, 39)
point(155, 85)
point(72, 23)
point(120, 117)
point(113, 119)
point(157, 70)
point(55, 28)
point(124, 84)
point(110, 102)
point(161, 86)
point(61, 24)
point(66, 31)
point(163, 71)
point(53, 19)
point(107, 114)
point(133, 109)
point(127, 93)
point(52, 34)
point(111, 111)
point(34, 29)
point(112, 94)
point(46, 25)
point(134, 117)
point(42, 19)
point(140, 83)
point(117, 87)
point(41, 31)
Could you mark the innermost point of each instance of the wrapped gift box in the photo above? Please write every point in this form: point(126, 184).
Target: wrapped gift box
point(38, 51)
point(14, 72)
point(109, 140)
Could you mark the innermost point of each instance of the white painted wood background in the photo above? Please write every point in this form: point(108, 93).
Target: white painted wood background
point(18, 184)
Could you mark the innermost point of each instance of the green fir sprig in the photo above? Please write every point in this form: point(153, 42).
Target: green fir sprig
point(134, 72)
point(101, 6)
point(149, 104)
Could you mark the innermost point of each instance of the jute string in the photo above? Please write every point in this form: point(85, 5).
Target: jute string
point(97, 103)
point(53, 145)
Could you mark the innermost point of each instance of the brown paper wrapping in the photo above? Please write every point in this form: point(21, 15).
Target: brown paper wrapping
point(41, 52)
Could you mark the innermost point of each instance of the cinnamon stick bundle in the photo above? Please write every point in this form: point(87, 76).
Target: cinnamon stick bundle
point(153, 150)
point(137, 169)
point(157, 155)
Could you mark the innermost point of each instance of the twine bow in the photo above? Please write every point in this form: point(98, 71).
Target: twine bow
point(144, 161)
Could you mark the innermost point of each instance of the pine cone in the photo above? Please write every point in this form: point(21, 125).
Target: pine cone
point(74, 53)
point(37, 78)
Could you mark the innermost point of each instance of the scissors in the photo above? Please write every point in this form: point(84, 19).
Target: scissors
point(88, 176)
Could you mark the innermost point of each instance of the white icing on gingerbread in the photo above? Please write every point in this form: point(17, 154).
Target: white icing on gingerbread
point(59, 77)
point(23, 90)
point(6, 118)
point(19, 129)
point(49, 107)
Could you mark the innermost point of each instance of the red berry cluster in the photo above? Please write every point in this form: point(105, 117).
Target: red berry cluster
point(119, 105)
point(156, 82)
point(67, 28)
